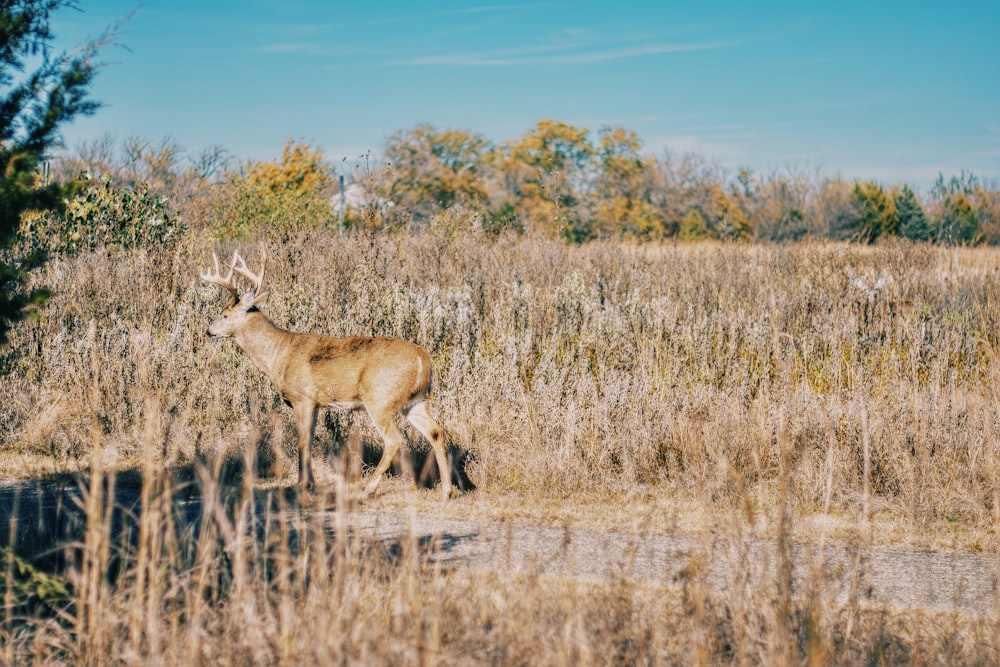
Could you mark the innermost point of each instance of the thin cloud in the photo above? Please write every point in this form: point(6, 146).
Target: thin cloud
point(313, 49)
point(435, 15)
point(555, 57)
point(292, 47)
point(502, 8)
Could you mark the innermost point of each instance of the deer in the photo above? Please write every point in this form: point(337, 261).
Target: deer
point(386, 376)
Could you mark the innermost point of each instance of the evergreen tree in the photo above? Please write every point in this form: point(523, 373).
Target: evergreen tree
point(878, 212)
point(913, 222)
point(958, 220)
point(693, 227)
point(33, 106)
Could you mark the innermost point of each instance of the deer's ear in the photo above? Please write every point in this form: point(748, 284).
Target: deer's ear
point(248, 301)
point(260, 300)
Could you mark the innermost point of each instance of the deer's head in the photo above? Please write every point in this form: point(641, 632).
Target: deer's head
point(238, 313)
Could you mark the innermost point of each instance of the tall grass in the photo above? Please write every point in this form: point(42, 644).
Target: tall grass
point(563, 369)
point(764, 388)
point(252, 580)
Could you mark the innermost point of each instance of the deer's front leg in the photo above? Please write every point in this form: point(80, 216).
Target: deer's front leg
point(305, 423)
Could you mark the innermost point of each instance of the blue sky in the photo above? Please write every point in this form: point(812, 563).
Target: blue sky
point(891, 91)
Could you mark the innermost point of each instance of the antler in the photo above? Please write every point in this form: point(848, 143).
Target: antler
point(240, 266)
point(214, 276)
point(236, 265)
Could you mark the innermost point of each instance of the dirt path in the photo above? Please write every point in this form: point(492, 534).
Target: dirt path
point(933, 581)
point(35, 517)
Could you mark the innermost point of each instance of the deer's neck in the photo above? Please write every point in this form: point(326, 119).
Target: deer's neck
point(265, 344)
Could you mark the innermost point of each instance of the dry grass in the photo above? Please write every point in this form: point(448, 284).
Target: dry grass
point(768, 391)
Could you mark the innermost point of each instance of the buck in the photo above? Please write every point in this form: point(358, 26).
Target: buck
point(386, 376)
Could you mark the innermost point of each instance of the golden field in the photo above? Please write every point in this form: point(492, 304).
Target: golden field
point(818, 393)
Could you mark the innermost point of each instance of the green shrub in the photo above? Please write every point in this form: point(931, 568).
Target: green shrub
point(693, 227)
point(503, 219)
point(23, 582)
point(243, 207)
point(101, 213)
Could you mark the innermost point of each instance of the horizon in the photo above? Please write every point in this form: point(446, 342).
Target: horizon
point(895, 93)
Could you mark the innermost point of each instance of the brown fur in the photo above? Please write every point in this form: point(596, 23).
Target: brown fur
point(388, 376)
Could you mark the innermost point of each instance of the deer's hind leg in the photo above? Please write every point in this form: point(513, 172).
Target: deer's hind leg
point(423, 422)
point(385, 422)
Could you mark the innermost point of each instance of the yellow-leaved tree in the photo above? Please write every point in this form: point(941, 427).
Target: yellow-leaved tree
point(545, 173)
point(275, 197)
point(302, 169)
point(622, 188)
point(431, 169)
point(723, 214)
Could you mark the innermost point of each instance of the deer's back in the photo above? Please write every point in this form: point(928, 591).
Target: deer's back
point(356, 369)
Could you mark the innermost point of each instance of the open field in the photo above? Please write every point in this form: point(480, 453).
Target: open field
point(815, 394)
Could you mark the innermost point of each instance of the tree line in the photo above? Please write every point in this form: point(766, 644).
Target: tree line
point(556, 179)
point(567, 181)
